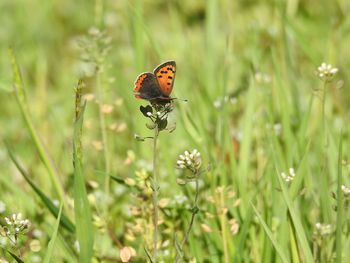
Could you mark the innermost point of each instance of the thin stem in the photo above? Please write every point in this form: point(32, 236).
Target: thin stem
point(155, 189)
point(194, 212)
point(223, 229)
point(324, 166)
point(324, 116)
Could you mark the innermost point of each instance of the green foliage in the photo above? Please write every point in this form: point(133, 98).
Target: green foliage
point(51, 244)
point(256, 107)
point(82, 208)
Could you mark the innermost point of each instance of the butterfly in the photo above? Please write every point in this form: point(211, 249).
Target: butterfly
point(156, 87)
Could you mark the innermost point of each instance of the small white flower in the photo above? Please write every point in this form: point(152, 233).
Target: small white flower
point(291, 172)
point(288, 178)
point(323, 229)
point(262, 78)
point(77, 246)
point(180, 199)
point(8, 221)
point(149, 114)
point(346, 190)
point(2, 207)
point(326, 72)
point(56, 202)
point(217, 103)
point(37, 233)
point(233, 100)
point(36, 258)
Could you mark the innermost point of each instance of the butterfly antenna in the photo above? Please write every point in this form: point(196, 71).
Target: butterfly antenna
point(184, 100)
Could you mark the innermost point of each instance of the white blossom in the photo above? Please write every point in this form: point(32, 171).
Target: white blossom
point(290, 176)
point(326, 72)
point(190, 160)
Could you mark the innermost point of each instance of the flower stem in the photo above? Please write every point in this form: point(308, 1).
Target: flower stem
point(194, 212)
point(325, 138)
point(223, 228)
point(326, 212)
point(155, 189)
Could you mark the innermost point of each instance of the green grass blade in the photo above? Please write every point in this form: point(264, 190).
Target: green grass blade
point(296, 222)
point(269, 233)
point(294, 251)
point(66, 223)
point(246, 145)
point(18, 260)
point(82, 208)
point(22, 103)
point(340, 208)
point(51, 244)
point(118, 179)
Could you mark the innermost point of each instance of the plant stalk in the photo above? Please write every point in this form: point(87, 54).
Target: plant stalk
point(324, 166)
point(223, 228)
point(325, 138)
point(155, 189)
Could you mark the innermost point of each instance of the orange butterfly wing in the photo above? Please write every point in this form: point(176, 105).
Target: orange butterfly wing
point(138, 84)
point(147, 87)
point(165, 74)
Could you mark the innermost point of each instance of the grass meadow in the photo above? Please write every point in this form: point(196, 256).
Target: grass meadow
point(87, 177)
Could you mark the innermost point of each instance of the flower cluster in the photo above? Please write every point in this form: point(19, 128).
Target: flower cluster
point(326, 72)
point(323, 229)
point(288, 178)
point(15, 226)
point(190, 160)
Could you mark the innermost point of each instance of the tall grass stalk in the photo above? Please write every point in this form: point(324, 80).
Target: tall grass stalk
point(324, 122)
point(83, 219)
point(223, 228)
point(338, 241)
point(23, 106)
point(325, 181)
point(295, 221)
point(155, 189)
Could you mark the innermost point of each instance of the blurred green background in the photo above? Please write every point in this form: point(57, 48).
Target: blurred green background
point(248, 71)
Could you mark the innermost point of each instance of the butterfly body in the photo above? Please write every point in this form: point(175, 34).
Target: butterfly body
point(157, 86)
